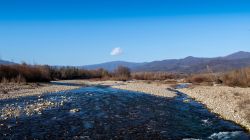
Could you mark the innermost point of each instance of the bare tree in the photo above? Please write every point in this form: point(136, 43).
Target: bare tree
point(122, 73)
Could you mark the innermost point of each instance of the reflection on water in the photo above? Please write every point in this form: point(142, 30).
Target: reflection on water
point(105, 113)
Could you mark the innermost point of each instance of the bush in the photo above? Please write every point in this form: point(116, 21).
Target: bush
point(239, 78)
point(201, 78)
point(37, 73)
point(154, 76)
point(24, 73)
point(122, 74)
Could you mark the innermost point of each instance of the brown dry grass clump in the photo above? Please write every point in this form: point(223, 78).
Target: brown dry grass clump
point(239, 78)
point(37, 73)
point(121, 74)
point(205, 79)
point(23, 73)
point(154, 76)
point(245, 105)
point(236, 78)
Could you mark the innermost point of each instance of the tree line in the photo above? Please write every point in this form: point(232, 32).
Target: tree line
point(44, 73)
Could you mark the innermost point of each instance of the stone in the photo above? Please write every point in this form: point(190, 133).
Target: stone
point(75, 110)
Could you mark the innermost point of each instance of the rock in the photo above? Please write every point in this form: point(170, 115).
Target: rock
point(75, 110)
point(186, 101)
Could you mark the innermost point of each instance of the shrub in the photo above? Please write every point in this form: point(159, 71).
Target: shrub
point(37, 73)
point(122, 74)
point(154, 76)
point(200, 78)
point(23, 73)
point(239, 78)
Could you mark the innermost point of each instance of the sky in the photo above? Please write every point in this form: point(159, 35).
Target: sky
point(83, 32)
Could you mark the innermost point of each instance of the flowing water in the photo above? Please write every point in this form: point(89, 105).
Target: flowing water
point(106, 113)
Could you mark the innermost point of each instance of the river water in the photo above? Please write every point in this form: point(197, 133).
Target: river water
point(106, 113)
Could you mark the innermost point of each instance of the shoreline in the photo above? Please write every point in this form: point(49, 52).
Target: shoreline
point(229, 103)
point(155, 89)
point(13, 90)
point(226, 102)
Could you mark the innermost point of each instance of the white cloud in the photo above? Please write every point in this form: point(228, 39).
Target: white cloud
point(116, 51)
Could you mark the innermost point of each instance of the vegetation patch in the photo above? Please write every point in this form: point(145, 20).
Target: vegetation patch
point(235, 78)
point(245, 105)
point(38, 73)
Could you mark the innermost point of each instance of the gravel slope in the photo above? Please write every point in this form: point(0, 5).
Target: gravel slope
point(13, 90)
point(156, 89)
point(229, 102)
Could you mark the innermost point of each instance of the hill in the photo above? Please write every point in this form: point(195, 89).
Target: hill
point(110, 66)
point(189, 64)
point(4, 62)
point(194, 64)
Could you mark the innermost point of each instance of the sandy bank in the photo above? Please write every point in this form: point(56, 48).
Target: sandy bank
point(230, 103)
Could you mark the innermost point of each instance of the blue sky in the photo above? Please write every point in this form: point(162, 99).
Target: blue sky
point(74, 32)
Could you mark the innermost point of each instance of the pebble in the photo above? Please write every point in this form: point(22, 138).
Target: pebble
point(75, 110)
point(221, 100)
point(186, 101)
point(16, 90)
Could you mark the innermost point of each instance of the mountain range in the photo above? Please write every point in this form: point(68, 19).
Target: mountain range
point(110, 66)
point(4, 62)
point(189, 64)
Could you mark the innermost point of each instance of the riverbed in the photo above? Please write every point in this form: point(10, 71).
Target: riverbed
point(108, 113)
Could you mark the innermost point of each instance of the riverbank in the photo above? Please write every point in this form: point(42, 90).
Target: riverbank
point(14, 90)
point(231, 103)
point(152, 88)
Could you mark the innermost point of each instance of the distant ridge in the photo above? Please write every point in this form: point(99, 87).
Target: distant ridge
point(110, 66)
point(4, 62)
point(189, 64)
point(238, 55)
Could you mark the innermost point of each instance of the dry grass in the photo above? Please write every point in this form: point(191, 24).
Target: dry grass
point(23, 73)
point(245, 105)
point(154, 76)
point(37, 73)
point(204, 79)
point(29, 73)
point(239, 78)
point(236, 78)
point(121, 74)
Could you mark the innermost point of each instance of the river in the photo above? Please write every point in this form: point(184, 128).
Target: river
point(107, 113)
